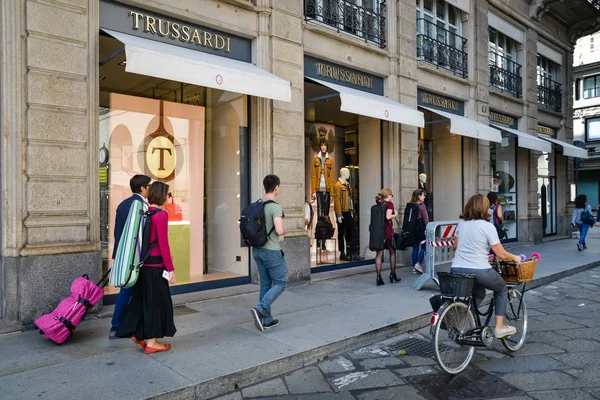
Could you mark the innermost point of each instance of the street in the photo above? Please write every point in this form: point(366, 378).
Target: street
point(560, 360)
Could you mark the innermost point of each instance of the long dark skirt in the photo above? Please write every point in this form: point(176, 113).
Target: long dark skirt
point(149, 313)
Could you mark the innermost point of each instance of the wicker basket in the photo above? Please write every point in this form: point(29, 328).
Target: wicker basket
point(517, 273)
point(456, 285)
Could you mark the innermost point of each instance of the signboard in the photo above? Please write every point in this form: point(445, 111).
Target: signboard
point(343, 76)
point(149, 25)
point(546, 130)
point(503, 119)
point(439, 102)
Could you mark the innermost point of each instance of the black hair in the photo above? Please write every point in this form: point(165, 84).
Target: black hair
point(493, 198)
point(323, 141)
point(138, 181)
point(270, 183)
point(580, 201)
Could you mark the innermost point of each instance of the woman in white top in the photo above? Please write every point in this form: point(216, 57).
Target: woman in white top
point(475, 236)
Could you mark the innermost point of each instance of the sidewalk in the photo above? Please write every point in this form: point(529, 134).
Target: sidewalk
point(217, 349)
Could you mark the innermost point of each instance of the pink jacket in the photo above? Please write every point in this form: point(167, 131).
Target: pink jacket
point(160, 229)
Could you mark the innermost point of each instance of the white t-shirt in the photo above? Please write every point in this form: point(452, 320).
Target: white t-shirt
point(475, 238)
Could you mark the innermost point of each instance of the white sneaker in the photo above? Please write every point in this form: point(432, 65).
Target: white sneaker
point(418, 268)
point(501, 333)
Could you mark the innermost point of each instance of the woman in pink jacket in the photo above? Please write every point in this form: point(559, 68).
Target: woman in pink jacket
point(149, 315)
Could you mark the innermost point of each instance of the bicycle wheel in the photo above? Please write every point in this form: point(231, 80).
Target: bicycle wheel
point(456, 318)
point(516, 315)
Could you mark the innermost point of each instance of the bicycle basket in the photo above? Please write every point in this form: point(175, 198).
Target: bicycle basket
point(456, 285)
point(517, 273)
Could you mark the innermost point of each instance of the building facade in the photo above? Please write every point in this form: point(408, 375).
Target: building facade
point(458, 97)
point(586, 115)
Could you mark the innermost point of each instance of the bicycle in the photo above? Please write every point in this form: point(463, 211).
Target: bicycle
point(455, 332)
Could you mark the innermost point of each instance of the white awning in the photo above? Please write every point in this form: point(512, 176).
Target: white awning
point(161, 60)
point(372, 105)
point(526, 140)
point(569, 149)
point(464, 126)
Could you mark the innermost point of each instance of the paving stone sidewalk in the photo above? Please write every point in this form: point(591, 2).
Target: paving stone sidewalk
point(560, 360)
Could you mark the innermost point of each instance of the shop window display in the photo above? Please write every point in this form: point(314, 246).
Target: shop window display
point(504, 174)
point(190, 137)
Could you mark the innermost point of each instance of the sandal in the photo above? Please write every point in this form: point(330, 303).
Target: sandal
point(152, 350)
point(139, 342)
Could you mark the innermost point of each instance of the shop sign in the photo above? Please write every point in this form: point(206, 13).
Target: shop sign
point(545, 130)
point(149, 25)
point(442, 103)
point(503, 119)
point(344, 76)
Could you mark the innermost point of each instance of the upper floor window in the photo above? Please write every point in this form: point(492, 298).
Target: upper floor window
point(549, 90)
point(591, 86)
point(362, 18)
point(505, 72)
point(439, 40)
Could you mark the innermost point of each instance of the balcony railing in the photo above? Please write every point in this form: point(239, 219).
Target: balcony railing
point(505, 74)
point(345, 16)
point(441, 47)
point(549, 93)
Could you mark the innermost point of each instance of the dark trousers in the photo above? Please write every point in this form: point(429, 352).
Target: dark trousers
point(122, 301)
point(347, 231)
point(323, 200)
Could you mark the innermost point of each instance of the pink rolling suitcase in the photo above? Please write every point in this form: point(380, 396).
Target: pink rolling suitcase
point(59, 325)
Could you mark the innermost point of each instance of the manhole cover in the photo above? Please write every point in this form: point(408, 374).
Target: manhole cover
point(179, 311)
point(414, 347)
point(470, 384)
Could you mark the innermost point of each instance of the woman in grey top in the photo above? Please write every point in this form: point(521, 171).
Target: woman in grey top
point(475, 236)
point(580, 208)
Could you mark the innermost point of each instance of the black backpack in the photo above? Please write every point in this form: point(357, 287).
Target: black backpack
point(377, 227)
point(324, 228)
point(413, 227)
point(146, 245)
point(253, 226)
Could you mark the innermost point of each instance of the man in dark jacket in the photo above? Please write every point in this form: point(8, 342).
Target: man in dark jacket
point(139, 186)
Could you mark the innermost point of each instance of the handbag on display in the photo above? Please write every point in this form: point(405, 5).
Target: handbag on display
point(509, 215)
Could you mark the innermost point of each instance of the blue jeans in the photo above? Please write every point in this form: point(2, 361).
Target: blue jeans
point(583, 230)
point(122, 300)
point(417, 256)
point(272, 268)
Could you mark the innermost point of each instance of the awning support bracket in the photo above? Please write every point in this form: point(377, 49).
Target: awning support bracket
point(328, 96)
point(113, 55)
point(436, 122)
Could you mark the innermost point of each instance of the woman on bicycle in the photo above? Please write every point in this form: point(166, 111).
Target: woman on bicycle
point(475, 236)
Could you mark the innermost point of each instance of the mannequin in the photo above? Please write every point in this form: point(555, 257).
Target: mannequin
point(428, 195)
point(422, 181)
point(344, 207)
point(322, 182)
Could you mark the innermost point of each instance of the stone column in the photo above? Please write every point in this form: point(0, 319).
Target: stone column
point(278, 127)
point(530, 228)
point(564, 204)
point(480, 81)
point(407, 82)
point(50, 183)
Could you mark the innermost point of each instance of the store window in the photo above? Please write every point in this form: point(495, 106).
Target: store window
point(592, 129)
point(547, 192)
point(190, 137)
point(591, 86)
point(503, 162)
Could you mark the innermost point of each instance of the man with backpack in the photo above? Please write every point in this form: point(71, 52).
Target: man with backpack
point(139, 185)
point(268, 255)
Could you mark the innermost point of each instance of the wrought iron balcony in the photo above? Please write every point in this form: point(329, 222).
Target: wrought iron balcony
point(505, 74)
point(441, 47)
point(346, 16)
point(549, 93)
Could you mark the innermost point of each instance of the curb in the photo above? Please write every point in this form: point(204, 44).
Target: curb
point(237, 380)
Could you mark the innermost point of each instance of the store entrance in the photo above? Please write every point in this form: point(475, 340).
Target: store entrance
point(440, 169)
point(341, 183)
point(547, 193)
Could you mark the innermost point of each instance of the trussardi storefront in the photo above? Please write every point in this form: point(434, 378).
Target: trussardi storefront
point(175, 105)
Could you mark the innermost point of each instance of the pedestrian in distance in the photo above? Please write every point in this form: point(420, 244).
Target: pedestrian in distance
point(582, 219)
point(139, 185)
point(149, 315)
point(269, 258)
point(384, 198)
point(418, 253)
point(475, 237)
point(598, 215)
